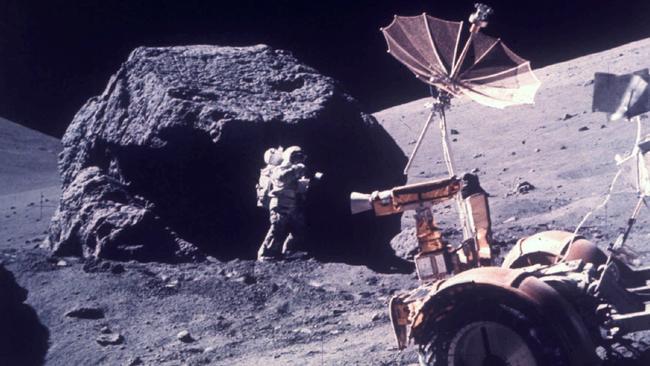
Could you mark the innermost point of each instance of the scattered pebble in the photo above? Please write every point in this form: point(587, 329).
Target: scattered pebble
point(184, 336)
point(454, 132)
point(524, 187)
point(372, 280)
point(562, 147)
point(568, 116)
point(538, 150)
point(86, 313)
point(247, 279)
point(61, 263)
point(135, 362)
point(510, 219)
point(583, 128)
point(172, 284)
point(476, 156)
point(110, 339)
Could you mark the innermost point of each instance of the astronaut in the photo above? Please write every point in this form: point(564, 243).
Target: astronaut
point(272, 158)
point(286, 193)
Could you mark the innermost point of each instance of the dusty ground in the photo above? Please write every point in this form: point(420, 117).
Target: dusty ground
point(303, 312)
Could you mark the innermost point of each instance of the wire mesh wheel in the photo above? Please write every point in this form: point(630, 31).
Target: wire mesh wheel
point(492, 334)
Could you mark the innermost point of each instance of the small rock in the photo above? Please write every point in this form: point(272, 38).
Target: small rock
point(583, 128)
point(184, 336)
point(372, 280)
point(454, 132)
point(211, 259)
point(110, 339)
point(475, 170)
point(283, 308)
point(513, 153)
point(247, 279)
point(568, 116)
point(172, 284)
point(208, 349)
point(61, 263)
point(476, 156)
point(510, 219)
point(105, 330)
point(603, 126)
point(86, 313)
point(524, 187)
point(454, 140)
point(538, 150)
point(274, 287)
point(562, 147)
point(375, 317)
point(135, 362)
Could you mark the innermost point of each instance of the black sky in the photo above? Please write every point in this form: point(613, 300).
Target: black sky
point(55, 55)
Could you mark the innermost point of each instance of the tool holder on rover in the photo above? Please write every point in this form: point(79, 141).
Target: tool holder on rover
point(436, 258)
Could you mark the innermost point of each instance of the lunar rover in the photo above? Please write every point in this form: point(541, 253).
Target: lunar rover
point(555, 299)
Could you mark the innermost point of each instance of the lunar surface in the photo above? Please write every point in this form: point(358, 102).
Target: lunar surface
point(302, 311)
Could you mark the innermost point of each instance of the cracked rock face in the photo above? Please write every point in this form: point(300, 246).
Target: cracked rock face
point(163, 164)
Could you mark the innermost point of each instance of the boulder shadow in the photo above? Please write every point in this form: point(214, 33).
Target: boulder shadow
point(24, 340)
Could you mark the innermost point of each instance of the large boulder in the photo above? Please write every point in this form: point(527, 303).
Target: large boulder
point(23, 339)
point(166, 159)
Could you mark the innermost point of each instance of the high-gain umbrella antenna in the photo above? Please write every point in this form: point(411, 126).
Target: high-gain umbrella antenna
point(483, 69)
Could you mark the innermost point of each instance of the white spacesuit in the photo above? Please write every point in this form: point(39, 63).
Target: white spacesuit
point(286, 198)
point(272, 158)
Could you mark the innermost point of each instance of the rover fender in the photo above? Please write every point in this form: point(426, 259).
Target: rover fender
point(514, 288)
point(548, 247)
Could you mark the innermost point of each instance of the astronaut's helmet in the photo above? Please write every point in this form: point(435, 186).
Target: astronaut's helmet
point(294, 155)
point(273, 156)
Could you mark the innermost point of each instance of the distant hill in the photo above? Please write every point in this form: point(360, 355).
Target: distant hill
point(27, 158)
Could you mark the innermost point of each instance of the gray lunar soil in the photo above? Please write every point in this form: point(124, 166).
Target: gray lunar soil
point(303, 311)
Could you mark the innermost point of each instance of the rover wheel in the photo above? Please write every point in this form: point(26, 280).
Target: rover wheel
point(492, 335)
